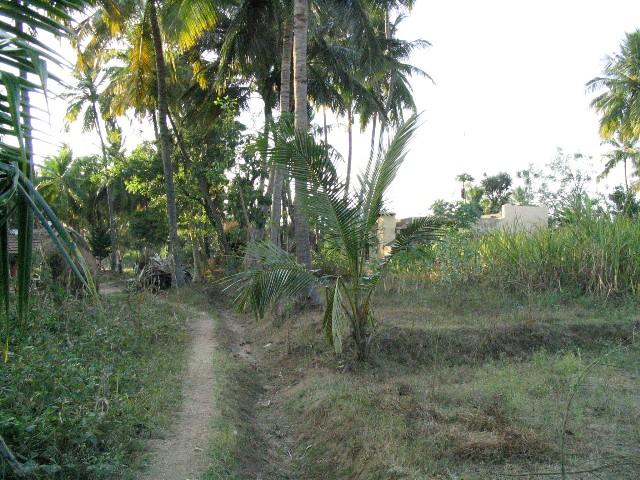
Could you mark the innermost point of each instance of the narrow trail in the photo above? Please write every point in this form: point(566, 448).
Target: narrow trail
point(183, 454)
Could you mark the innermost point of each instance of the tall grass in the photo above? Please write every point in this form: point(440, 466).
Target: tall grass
point(593, 255)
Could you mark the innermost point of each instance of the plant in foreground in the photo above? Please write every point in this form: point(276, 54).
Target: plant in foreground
point(23, 56)
point(350, 223)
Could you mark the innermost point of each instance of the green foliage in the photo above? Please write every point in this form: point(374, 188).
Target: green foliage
point(148, 228)
point(624, 202)
point(591, 254)
point(460, 214)
point(99, 241)
point(86, 384)
point(496, 190)
point(349, 223)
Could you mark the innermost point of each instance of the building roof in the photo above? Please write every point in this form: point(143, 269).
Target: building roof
point(40, 239)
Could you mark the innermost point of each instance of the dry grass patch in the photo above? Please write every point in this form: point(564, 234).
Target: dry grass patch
point(472, 402)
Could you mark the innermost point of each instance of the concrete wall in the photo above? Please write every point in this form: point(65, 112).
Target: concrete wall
point(516, 217)
point(519, 217)
point(386, 232)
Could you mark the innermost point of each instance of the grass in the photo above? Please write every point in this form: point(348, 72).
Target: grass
point(462, 385)
point(590, 254)
point(87, 384)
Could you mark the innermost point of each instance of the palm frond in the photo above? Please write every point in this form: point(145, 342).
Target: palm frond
point(276, 275)
point(419, 231)
point(381, 172)
point(186, 20)
point(334, 322)
point(22, 55)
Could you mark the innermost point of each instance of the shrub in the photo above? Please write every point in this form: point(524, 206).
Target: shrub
point(86, 383)
point(594, 255)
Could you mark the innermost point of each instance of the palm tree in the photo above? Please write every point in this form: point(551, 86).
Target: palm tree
point(59, 182)
point(301, 121)
point(85, 97)
point(250, 50)
point(349, 223)
point(277, 177)
point(464, 179)
point(619, 103)
point(170, 25)
point(622, 151)
point(165, 143)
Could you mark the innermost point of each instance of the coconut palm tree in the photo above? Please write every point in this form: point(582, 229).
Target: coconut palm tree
point(156, 29)
point(58, 183)
point(619, 102)
point(350, 223)
point(85, 96)
point(622, 151)
point(301, 121)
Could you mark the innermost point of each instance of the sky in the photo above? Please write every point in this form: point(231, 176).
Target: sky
point(508, 90)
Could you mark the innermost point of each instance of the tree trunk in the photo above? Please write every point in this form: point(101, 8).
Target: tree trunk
point(374, 124)
point(213, 214)
point(112, 223)
point(350, 151)
point(264, 208)
point(286, 215)
point(25, 215)
point(165, 146)
point(285, 107)
point(300, 26)
point(324, 127)
point(383, 120)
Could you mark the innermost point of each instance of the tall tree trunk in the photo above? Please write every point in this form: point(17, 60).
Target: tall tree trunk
point(113, 239)
point(25, 215)
point(165, 146)
point(264, 208)
point(626, 181)
point(350, 151)
point(324, 127)
point(374, 124)
point(300, 31)
point(383, 120)
point(213, 214)
point(285, 107)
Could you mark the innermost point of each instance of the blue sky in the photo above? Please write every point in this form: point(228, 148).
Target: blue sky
point(509, 89)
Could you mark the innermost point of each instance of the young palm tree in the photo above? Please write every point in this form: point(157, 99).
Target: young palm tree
point(350, 223)
point(18, 198)
point(619, 103)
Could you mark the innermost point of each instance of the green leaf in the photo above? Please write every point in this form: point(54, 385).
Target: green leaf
point(335, 318)
point(275, 276)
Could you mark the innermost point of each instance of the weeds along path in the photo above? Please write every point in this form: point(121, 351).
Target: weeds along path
point(264, 447)
point(184, 453)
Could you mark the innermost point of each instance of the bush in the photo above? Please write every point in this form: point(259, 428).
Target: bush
point(594, 255)
point(86, 384)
